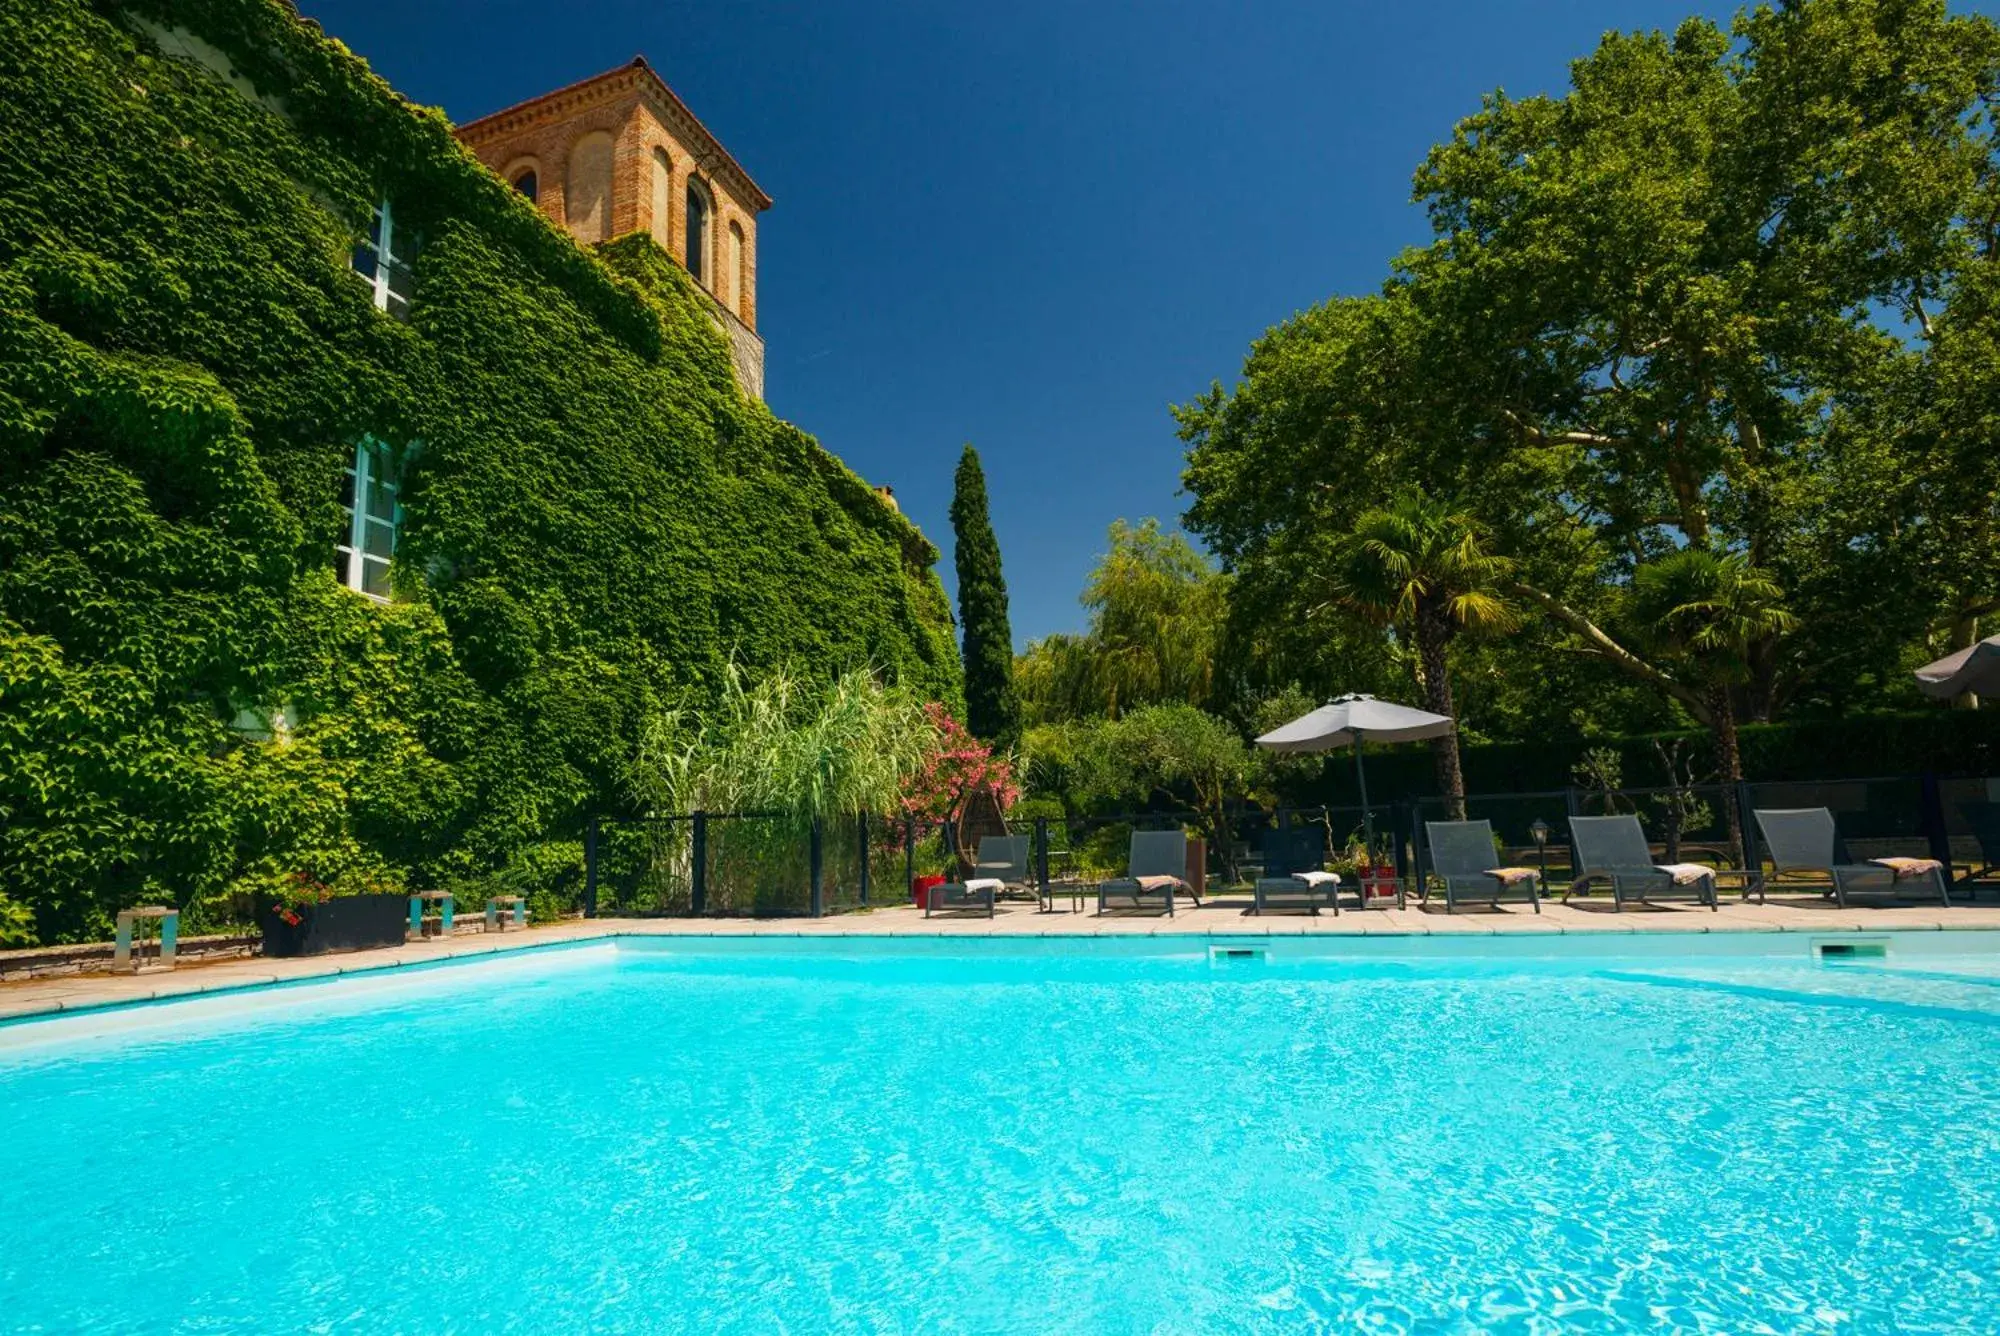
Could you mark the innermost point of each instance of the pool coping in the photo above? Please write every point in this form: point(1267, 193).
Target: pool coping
point(26, 1000)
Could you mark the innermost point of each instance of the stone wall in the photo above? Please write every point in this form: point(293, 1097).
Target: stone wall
point(746, 351)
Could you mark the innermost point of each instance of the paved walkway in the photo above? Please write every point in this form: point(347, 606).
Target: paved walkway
point(1221, 917)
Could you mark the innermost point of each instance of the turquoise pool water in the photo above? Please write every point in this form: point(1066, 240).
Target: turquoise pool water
point(648, 1140)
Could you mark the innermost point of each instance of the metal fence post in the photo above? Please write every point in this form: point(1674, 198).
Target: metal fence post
point(1407, 813)
point(590, 869)
point(1042, 856)
point(815, 858)
point(863, 831)
point(1416, 819)
point(698, 892)
point(909, 855)
point(1747, 819)
point(1931, 805)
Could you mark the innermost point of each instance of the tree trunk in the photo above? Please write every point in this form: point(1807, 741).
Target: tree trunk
point(1433, 635)
point(1598, 642)
point(1728, 765)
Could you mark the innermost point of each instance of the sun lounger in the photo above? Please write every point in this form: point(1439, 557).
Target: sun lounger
point(1156, 870)
point(1294, 876)
point(1983, 819)
point(1805, 840)
point(1463, 858)
point(1005, 859)
point(1002, 868)
point(1613, 849)
point(949, 896)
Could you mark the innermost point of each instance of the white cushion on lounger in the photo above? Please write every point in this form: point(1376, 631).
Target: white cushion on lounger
point(1317, 878)
point(993, 884)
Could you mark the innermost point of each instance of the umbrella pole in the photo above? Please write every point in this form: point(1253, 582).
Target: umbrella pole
point(1367, 815)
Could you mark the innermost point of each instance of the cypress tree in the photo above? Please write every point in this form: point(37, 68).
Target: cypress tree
point(992, 712)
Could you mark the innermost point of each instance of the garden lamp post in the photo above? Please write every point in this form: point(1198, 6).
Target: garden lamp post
point(1539, 830)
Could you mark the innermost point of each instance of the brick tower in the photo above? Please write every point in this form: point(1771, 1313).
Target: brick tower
point(621, 153)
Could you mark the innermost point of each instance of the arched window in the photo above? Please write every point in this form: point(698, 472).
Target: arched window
point(587, 199)
point(739, 271)
point(663, 200)
point(528, 185)
point(697, 224)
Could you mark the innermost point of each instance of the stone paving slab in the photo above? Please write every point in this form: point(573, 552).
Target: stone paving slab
point(1220, 918)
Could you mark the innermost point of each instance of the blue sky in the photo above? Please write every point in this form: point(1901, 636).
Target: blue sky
point(1031, 225)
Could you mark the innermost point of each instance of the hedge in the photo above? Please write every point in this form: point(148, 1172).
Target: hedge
point(596, 520)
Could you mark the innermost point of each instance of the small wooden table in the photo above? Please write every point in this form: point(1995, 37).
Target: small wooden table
point(1077, 889)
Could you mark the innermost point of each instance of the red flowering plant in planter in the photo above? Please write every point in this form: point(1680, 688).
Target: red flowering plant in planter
point(293, 893)
point(298, 891)
point(955, 769)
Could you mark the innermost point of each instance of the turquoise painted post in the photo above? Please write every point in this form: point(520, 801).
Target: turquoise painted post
point(445, 908)
point(417, 917)
point(170, 936)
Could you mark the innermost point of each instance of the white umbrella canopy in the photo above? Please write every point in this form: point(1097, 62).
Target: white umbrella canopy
point(1976, 668)
point(1339, 723)
point(1349, 721)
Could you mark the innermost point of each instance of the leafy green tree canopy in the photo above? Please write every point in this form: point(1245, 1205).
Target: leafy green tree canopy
point(1158, 614)
point(1173, 755)
point(1694, 303)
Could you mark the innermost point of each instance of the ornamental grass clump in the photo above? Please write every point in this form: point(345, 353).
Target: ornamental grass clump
point(774, 758)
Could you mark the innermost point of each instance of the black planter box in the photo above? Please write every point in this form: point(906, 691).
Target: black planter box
point(344, 923)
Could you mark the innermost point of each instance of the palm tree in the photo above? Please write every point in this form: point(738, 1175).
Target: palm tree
point(1420, 566)
point(1709, 610)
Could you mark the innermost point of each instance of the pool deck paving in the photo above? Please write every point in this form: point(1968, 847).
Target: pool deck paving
point(1221, 917)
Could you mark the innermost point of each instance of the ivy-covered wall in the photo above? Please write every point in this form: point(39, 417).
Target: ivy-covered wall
point(596, 521)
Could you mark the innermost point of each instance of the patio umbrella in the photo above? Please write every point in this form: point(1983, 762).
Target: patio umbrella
point(1350, 721)
point(1976, 668)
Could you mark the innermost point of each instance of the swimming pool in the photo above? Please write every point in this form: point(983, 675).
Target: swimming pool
point(1706, 1133)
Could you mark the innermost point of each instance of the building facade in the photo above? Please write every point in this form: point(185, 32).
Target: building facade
point(620, 153)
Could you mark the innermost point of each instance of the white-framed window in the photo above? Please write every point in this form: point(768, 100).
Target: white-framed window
point(371, 505)
point(386, 259)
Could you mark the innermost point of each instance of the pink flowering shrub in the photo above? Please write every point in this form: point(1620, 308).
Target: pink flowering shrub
point(954, 768)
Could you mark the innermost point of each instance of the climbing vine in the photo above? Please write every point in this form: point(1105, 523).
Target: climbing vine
point(597, 523)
